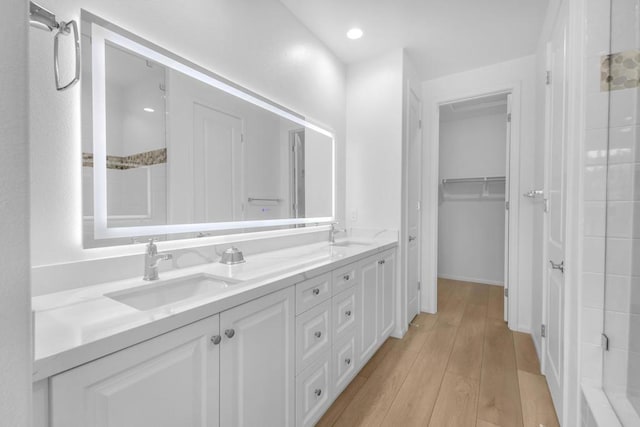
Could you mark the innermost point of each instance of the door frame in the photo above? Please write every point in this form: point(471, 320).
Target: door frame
point(404, 296)
point(430, 291)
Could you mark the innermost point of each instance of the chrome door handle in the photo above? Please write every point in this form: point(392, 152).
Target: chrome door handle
point(557, 266)
point(229, 333)
point(412, 238)
point(532, 194)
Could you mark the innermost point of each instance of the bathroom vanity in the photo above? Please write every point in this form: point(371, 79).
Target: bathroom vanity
point(273, 344)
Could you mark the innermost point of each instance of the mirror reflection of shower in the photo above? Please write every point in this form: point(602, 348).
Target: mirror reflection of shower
point(296, 138)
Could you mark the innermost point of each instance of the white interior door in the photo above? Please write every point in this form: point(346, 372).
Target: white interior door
point(217, 165)
point(414, 155)
point(555, 176)
point(507, 192)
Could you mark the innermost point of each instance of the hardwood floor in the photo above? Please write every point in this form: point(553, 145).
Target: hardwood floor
point(460, 367)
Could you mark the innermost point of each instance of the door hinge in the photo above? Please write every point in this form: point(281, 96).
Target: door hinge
point(507, 205)
point(509, 118)
point(419, 124)
point(543, 331)
point(548, 78)
point(546, 205)
point(506, 292)
point(605, 342)
point(419, 285)
point(242, 137)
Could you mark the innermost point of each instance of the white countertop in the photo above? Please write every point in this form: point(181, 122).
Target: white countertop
point(79, 325)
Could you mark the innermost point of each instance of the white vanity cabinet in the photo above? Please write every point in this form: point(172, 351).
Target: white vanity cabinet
point(171, 380)
point(376, 302)
point(231, 369)
point(277, 360)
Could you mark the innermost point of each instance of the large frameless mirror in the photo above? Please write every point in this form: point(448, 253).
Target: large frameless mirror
point(172, 150)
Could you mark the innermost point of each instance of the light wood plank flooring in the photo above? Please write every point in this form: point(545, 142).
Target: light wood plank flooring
point(460, 367)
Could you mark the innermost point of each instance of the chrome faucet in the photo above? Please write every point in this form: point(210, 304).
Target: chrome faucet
point(334, 230)
point(151, 260)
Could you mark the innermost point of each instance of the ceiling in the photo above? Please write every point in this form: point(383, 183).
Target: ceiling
point(441, 36)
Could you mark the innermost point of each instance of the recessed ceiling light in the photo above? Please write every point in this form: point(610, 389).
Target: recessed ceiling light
point(149, 110)
point(354, 33)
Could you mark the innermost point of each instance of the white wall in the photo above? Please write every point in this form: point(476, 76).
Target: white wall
point(471, 232)
point(374, 142)
point(259, 45)
point(375, 103)
point(15, 301)
point(519, 75)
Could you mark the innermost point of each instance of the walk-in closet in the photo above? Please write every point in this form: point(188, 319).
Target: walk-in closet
point(473, 174)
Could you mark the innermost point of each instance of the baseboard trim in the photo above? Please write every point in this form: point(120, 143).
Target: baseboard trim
point(470, 279)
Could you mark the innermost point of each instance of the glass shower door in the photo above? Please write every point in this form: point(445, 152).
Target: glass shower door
point(621, 74)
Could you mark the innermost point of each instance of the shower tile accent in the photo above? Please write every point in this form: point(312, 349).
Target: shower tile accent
point(620, 70)
point(148, 158)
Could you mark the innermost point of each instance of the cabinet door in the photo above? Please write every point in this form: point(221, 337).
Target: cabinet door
point(257, 362)
point(386, 303)
point(368, 304)
point(171, 380)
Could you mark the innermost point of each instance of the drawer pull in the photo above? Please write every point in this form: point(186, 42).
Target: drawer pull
point(347, 313)
point(318, 334)
point(216, 339)
point(229, 333)
point(346, 277)
point(347, 361)
point(318, 392)
point(315, 291)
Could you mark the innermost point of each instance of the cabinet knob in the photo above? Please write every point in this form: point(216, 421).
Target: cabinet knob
point(381, 262)
point(346, 277)
point(216, 339)
point(347, 313)
point(229, 333)
point(318, 334)
point(347, 361)
point(318, 392)
point(315, 291)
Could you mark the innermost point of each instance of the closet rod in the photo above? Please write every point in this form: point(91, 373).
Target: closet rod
point(475, 179)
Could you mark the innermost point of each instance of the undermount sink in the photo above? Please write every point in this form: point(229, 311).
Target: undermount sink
point(155, 295)
point(349, 243)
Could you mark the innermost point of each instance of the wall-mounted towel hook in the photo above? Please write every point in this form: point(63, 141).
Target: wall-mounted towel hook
point(41, 18)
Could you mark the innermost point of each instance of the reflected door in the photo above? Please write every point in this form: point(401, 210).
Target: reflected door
point(217, 165)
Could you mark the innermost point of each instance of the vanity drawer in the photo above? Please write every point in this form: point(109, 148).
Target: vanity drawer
point(313, 391)
point(313, 335)
point(312, 292)
point(344, 363)
point(345, 277)
point(345, 312)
